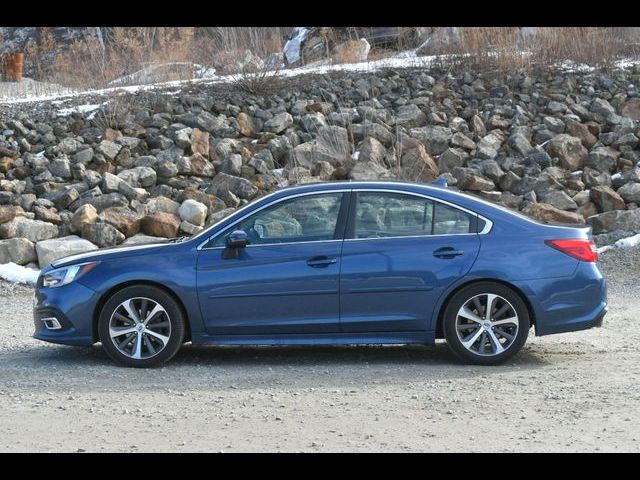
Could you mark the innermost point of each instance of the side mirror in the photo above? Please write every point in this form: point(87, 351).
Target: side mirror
point(237, 239)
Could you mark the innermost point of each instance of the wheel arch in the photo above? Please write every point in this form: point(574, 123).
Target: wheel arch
point(116, 288)
point(443, 305)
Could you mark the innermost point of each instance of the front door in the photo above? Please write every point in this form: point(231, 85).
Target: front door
point(399, 255)
point(286, 281)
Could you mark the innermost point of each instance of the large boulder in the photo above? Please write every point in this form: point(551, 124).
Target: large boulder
point(17, 250)
point(569, 151)
point(142, 239)
point(351, 51)
point(607, 199)
point(200, 142)
point(241, 187)
point(581, 131)
point(603, 159)
point(278, 123)
point(558, 198)
point(365, 171)
point(549, 214)
point(161, 224)
point(246, 125)
point(144, 177)
point(101, 202)
point(123, 219)
point(372, 129)
point(410, 116)
point(9, 212)
point(371, 150)
point(416, 164)
point(193, 212)
point(162, 204)
point(33, 230)
point(84, 215)
point(435, 138)
point(50, 250)
point(628, 220)
point(102, 234)
point(469, 179)
point(631, 109)
point(109, 149)
point(331, 145)
point(630, 192)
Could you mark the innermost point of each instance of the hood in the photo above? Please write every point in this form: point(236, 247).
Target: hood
point(107, 253)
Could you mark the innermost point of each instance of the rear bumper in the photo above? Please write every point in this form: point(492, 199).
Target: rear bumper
point(568, 304)
point(575, 324)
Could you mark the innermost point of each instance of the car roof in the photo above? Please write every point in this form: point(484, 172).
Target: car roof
point(436, 191)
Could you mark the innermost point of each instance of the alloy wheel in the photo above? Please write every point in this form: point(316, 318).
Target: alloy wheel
point(487, 324)
point(140, 328)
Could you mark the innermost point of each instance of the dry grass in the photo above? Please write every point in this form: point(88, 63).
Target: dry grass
point(506, 49)
point(156, 54)
point(95, 61)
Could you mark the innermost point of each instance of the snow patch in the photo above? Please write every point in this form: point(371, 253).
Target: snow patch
point(628, 242)
point(18, 274)
point(571, 66)
point(604, 249)
point(291, 49)
point(65, 112)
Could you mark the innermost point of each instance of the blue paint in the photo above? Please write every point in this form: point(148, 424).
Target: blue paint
point(337, 290)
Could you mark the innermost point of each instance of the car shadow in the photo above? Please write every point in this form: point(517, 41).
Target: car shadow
point(249, 367)
point(405, 355)
point(245, 357)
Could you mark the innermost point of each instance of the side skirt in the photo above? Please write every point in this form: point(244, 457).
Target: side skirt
point(421, 337)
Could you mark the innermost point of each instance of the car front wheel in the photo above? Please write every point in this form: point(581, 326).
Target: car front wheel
point(141, 326)
point(486, 323)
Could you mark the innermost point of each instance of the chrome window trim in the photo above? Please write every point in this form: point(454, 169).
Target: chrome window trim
point(487, 227)
point(274, 202)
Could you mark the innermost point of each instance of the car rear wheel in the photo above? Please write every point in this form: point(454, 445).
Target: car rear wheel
point(141, 326)
point(486, 323)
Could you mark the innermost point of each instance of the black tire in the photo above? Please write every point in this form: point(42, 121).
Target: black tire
point(175, 318)
point(450, 326)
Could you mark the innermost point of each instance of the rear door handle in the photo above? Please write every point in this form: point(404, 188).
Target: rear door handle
point(447, 252)
point(321, 261)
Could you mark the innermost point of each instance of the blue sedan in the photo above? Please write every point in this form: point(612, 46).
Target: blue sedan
point(335, 263)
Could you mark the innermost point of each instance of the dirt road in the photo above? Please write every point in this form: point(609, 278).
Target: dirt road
point(571, 392)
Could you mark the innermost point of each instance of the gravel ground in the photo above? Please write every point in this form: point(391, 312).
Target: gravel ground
point(570, 392)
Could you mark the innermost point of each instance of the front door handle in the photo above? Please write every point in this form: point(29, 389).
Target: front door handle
point(447, 253)
point(321, 261)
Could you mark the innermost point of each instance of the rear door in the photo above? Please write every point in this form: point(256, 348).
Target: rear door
point(400, 253)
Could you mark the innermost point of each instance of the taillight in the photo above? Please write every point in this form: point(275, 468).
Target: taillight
point(582, 249)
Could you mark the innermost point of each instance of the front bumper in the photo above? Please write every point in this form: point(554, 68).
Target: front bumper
point(73, 307)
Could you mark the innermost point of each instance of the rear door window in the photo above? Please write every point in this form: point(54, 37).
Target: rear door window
point(387, 214)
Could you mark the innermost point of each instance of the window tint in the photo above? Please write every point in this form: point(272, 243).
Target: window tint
point(450, 220)
point(381, 214)
point(300, 219)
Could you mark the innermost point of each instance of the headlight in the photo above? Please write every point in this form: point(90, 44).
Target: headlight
point(64, 275)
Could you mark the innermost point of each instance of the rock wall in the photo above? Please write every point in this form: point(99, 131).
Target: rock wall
point(562, 147)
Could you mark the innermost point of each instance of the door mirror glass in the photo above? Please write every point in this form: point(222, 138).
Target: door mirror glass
point(237, 239)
